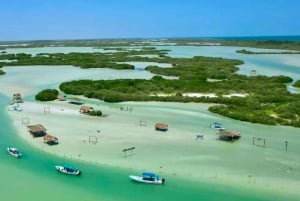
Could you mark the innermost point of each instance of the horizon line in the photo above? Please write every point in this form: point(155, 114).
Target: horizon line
point(145, 38)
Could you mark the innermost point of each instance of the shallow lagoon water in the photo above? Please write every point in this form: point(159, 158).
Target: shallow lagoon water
point(269, 64)
point(34, 175)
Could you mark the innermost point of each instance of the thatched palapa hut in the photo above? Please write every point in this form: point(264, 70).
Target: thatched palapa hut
point(51, 140)
point(161, 127)
point(229, 136)
point(85, 109)
point(17, 98)
point(37, 130)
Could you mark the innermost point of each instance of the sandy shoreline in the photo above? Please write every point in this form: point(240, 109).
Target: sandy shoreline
point(172, 153)
point(119, 130)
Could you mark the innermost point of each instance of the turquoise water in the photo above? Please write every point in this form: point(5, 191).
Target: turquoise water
point(263, 64)
point(33, 177)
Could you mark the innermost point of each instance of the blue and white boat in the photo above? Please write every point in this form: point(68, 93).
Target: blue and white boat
point(148, 178)
point(68, 169)
point(14, 152)
point(217, 126)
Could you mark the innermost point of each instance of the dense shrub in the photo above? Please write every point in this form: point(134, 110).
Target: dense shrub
point(2, 72)
point(95, 113)
point(297, 84)
point(47, 95)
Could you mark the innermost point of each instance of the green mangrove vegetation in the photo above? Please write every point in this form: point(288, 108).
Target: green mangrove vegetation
point(47, 95)
point(243, 51)
point(1, 71)
point(123, 44)
point(266, 99)
point(297, 84)
point(266, 44)
point(97, 113)
point(83, 60)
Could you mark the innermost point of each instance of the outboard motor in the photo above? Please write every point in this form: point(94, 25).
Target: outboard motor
point(163, 180)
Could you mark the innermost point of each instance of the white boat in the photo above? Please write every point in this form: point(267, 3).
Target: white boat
point(148, 178)
point(217, 126)
point(14, 152)
point(67, 169)
point(14, 108)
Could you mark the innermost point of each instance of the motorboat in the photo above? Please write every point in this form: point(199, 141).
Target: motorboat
point(148, 178)
point(217, 126)
point(15, 107)
point(14, 152)
point(68, 169)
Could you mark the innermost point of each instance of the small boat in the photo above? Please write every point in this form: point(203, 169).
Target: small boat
point(14, 152)
point(217, 126)
point(148, 178)
point(15, 108)
point(68, 169)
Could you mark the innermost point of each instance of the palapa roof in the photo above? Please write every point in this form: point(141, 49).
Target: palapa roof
point(17, 94)
point(50, 138)
point(36, 128)
point(85, 107)
point(161, 125)
point(229, 134)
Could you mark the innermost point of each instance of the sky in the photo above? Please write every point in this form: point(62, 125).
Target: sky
point(90, 19)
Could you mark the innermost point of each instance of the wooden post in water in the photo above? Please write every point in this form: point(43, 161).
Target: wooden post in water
point(263, 140)
point(25, 120)
point(128, 149)
point(46, 110)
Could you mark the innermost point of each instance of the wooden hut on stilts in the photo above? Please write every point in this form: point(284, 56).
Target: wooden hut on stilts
point(37, 130)
point(50, 139)
point(17, 98)
point(229, 136)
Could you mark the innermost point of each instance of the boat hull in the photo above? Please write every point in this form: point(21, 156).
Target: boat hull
point(142, 180)
point(65, 170)
point(217, 126)
point(14, 152)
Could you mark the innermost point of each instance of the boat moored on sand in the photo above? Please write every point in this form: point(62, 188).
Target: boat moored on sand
point(14, 152)
point(68, 169)
point(148, 178)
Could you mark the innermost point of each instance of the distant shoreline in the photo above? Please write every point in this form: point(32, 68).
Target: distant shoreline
point(241, 38)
